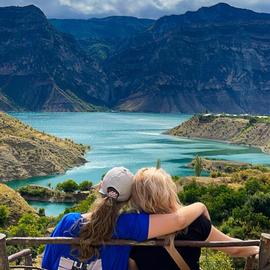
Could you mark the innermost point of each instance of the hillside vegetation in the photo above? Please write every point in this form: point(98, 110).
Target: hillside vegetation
point(15, 205)
point(248, 130)
point(239, 210)
point(26, 152)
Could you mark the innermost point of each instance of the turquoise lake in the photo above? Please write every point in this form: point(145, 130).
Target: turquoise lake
point(133, 140)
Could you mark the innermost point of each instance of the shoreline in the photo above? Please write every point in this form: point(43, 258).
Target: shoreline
point(74, 199)
point(249, 131)
point(6, 181)
point(27, 152)
point(222, 141)
point(36, 193)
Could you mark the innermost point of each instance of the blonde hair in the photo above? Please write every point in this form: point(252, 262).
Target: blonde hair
point(154, 192)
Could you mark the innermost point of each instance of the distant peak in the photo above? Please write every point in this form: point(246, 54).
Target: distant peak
point(22, 9)
point(218, 13)
point(222, 5)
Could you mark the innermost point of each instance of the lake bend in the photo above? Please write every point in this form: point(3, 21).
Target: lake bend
point(133, 140)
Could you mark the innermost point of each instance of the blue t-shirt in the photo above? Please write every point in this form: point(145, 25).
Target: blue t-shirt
point(132, 226)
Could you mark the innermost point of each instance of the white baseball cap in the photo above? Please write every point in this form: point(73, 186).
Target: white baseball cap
point(120, 179)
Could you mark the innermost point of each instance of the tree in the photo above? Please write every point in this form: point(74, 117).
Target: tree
point(41, 212)
point(85, 185)
point(68, 186)
point(198, 166)
point(252, 121)
point(29, 225)
point(4, 213)
point(158, 164)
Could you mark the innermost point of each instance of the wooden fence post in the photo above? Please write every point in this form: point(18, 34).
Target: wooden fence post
point(264, 255)
point(28, 261)
point(3, 253)
point(250, 262)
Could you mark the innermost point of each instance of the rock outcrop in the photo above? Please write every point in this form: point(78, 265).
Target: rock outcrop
point(26, 152)
point(251, 131)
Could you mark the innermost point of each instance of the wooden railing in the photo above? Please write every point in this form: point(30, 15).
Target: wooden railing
point(263, 243)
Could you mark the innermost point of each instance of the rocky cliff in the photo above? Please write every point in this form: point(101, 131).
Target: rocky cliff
point(214, 59)
point(102, 37)
point(42, 69)
point(26, 152)
point(251, 131)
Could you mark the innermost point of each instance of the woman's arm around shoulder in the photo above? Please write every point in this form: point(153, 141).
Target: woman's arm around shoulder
point(217, 235)
point(162, 224)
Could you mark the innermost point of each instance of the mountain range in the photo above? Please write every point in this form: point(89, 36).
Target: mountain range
point(214, 59)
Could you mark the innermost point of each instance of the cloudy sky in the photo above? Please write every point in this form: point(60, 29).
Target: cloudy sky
point(138, 8)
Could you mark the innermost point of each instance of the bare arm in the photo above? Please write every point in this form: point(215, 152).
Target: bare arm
point(162, 224)
point(216, 235)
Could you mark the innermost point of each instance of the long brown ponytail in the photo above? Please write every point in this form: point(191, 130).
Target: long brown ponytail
point(99, 227)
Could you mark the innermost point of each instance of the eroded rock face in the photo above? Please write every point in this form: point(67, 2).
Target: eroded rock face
point(239, 130)
point(215, 59)
point(26, 152)
point(102, 37)
point(42, 69)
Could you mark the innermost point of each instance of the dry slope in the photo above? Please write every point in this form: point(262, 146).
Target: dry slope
point(252, 131)
point(16, 204)
point(26, 152)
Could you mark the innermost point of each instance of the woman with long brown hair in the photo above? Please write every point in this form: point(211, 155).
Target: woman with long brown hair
point(154, 192)
point(106, 221)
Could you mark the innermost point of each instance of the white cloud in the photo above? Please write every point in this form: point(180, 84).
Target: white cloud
point(139, 8)
point(153, 8)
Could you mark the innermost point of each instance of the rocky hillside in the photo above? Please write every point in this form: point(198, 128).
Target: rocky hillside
point(26, 152)
point(42, 69)
point(252, 131)
point(102, 37)
point(215, 59)
point(16, 204)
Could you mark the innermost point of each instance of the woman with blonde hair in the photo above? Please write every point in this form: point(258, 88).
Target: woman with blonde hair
point(154, 192)
point(106, 220)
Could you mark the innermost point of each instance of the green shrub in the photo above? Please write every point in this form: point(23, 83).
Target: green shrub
point(4, 213)
point(68, 186)
point(229, 169)
point(176, 178)
point(213, 260)
point(242, 212)
point(85, 185)
point(29, 225)
point(41, 212)
point(215, 174)
point(34, 191)
point(252, 121)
